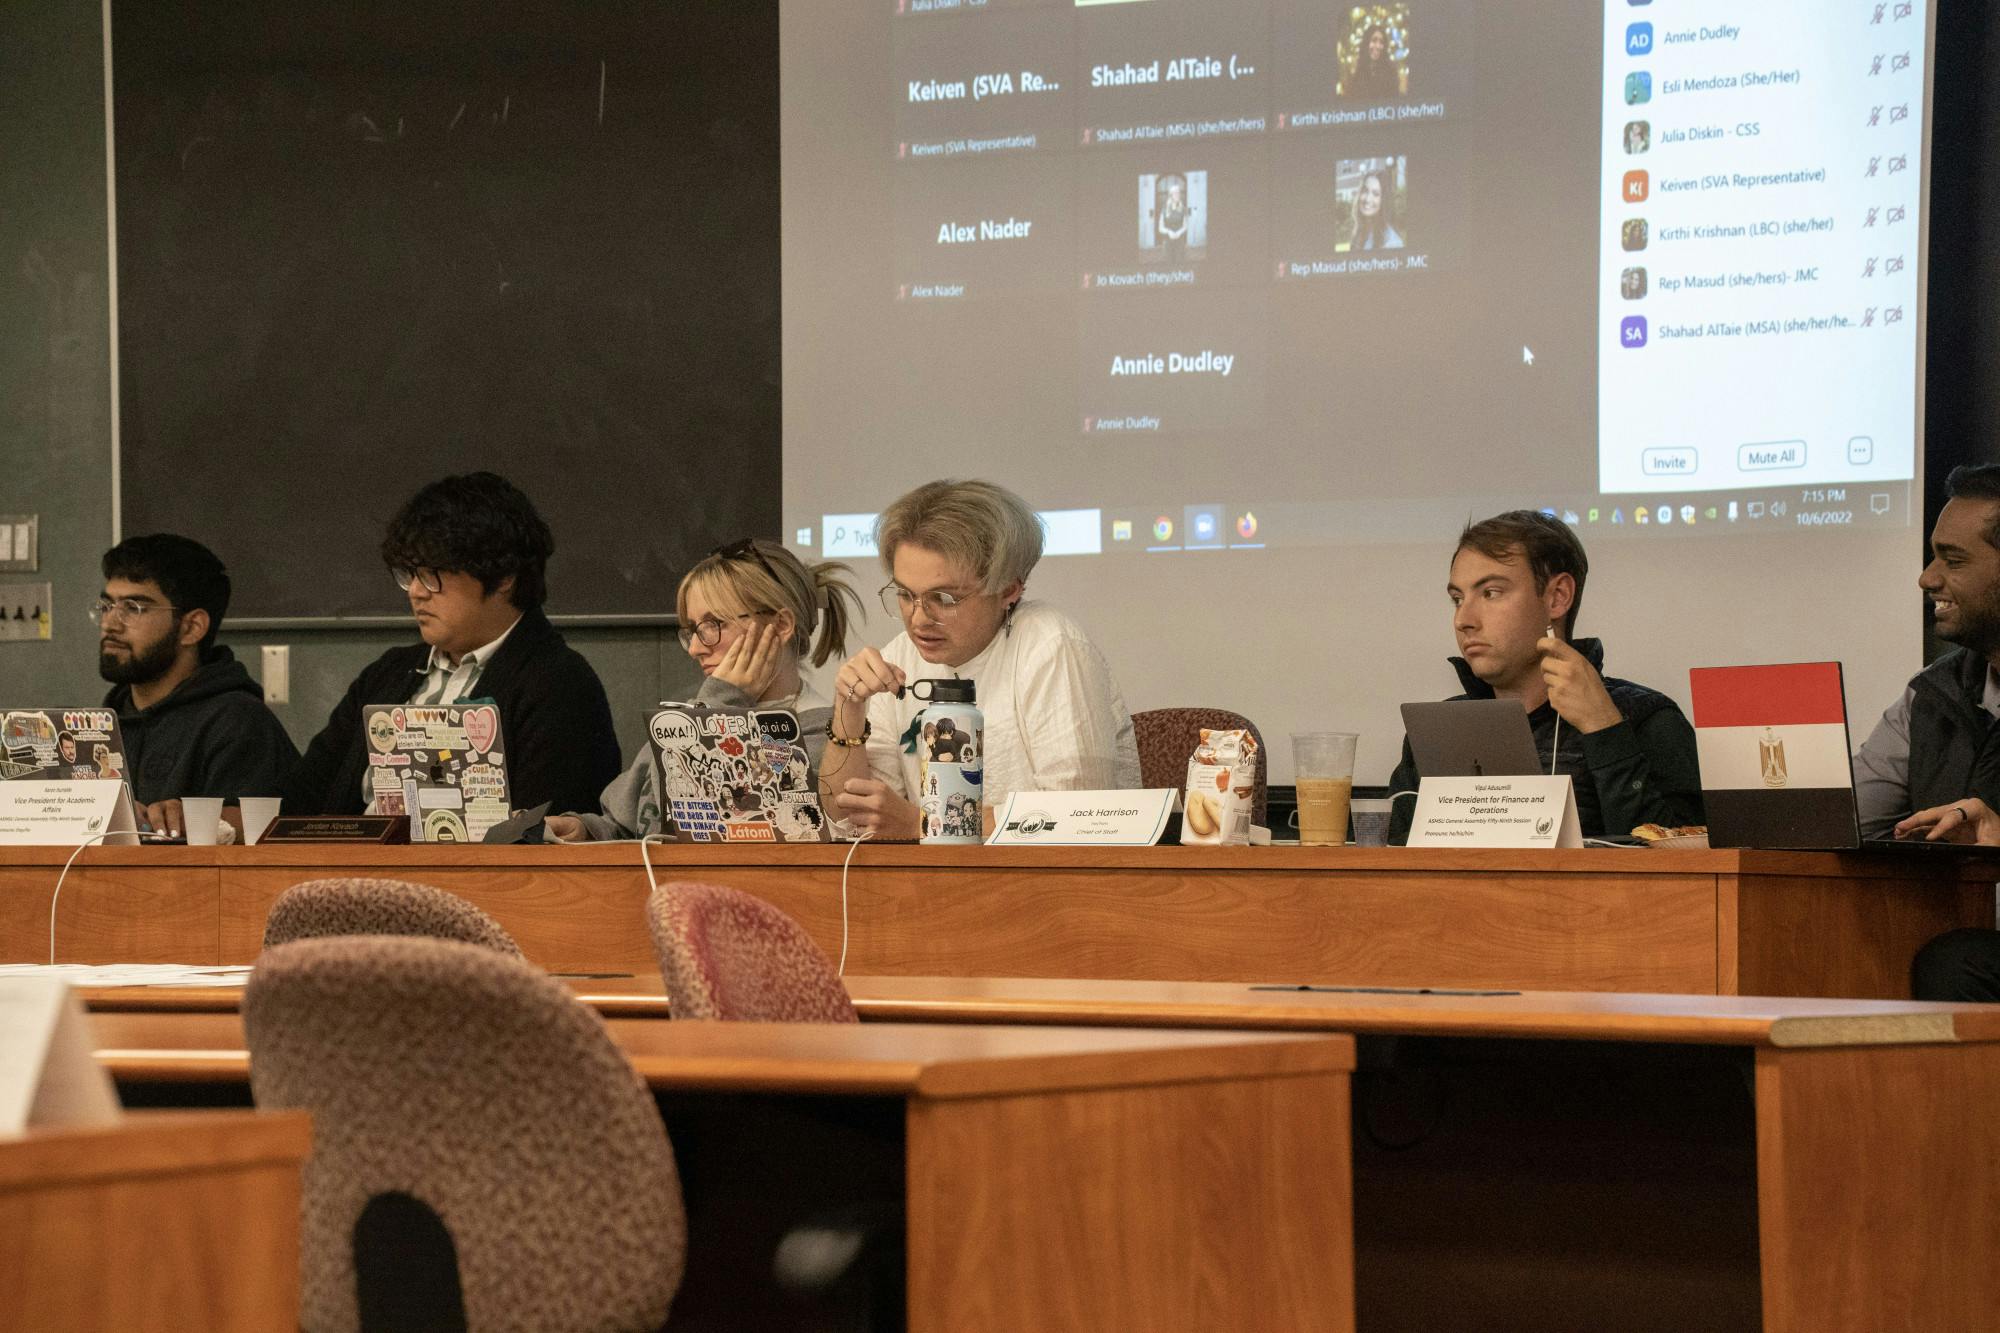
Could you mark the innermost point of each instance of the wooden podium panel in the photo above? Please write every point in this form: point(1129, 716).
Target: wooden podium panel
point(1734, 922)
point(167, 1220)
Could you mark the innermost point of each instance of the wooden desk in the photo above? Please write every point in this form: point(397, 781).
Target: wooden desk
point(1771, 923)
point(174, 1220)
point(1052, 1178)
point(1797, 1138)
point(1867, 1147)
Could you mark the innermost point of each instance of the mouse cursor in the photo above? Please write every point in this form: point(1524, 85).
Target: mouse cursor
point(1527, 356)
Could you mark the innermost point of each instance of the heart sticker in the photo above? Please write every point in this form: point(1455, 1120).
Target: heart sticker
point(482, 725)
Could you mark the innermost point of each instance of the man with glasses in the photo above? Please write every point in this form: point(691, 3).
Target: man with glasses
point(471, 555)
point(195, 724)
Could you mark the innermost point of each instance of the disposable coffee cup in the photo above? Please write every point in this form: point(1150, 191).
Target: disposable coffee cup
point(200, 817)
point(1323, 770)
point(1371, 822)
point(258, 812)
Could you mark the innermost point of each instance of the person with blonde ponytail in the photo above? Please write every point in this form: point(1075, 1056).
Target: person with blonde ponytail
point(749, 614)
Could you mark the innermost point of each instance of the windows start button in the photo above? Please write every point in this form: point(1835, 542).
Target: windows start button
point(1770, 456)
point(1680, 462)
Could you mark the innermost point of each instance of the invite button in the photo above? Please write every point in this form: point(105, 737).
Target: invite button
point(1771, 455)
point(1669, 462)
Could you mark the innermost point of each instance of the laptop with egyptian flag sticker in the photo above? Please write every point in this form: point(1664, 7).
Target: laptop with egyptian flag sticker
point(1775, 765)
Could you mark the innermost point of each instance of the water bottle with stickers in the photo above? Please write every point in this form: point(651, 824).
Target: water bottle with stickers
point(951, 760)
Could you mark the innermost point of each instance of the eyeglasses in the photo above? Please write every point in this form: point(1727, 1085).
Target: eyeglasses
point(125, 609)
point(432, 579)
point(938, 605)
point(709, 629)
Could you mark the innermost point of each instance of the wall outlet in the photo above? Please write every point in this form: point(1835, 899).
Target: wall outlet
point(19, 543)
point(277, 673)
point(24, 611)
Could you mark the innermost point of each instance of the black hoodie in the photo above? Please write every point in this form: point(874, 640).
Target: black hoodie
point(1639, 771)
point(213, 736)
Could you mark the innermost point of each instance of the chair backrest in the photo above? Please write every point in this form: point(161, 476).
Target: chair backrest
point(450, 1079)
point(724, 954)
point(1167, 736)
point(323, 907)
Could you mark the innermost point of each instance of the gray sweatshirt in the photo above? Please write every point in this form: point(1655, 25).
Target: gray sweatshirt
point(631, 804)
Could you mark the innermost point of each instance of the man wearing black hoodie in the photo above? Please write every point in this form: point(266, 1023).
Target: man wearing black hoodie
point(195, 724)
point(1516, 587)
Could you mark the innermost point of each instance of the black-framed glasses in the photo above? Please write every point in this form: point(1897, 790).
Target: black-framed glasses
point(938, 604)
point(125, 609)
point(432, 579)
point(709, 628)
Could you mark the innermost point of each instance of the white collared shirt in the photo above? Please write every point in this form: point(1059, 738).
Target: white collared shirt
point(1055, 720)
point(443, 684)
point(447, 684)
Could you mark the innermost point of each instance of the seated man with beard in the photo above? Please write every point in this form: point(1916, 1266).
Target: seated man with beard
point(195, 724)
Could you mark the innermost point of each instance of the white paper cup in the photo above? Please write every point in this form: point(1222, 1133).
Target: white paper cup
point(199, 816)
point(1371, 821)
point(258, 812)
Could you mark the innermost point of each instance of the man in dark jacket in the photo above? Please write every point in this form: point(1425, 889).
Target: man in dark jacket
point(472, 554)
point(1931, 767)
point(195, 724)
point(1516, 587)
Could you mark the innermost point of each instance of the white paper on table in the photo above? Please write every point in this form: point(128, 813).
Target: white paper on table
point(101, 975)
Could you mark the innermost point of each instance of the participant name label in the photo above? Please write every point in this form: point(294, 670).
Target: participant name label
point(1083, 818)
point(42, 814)
point(1496, 812)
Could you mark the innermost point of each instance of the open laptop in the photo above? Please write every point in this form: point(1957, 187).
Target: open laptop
point(733, 775)
point(1471, 738)
point(60, 745)
point(443, 765)
point(1776, 771)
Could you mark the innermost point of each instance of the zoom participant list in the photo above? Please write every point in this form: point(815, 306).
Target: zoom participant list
point(1761, 178)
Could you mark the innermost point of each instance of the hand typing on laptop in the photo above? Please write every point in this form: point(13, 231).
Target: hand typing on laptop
point(1967, 820)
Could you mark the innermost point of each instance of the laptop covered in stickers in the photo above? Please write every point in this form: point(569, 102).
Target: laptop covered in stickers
point(733, 775)
point(443, 765)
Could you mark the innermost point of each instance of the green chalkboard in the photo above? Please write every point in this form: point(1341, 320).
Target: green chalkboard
point(362, 245)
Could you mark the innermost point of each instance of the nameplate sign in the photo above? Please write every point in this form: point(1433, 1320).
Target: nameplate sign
point(1496, 812)
point(1083, 818)
point(63, 814)
point(337, 828)
point(47, 1073)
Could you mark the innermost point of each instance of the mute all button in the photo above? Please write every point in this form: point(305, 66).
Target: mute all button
point(1674, 462)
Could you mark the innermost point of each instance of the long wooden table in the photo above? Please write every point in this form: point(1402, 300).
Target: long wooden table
point(163, 1221)
point(1584, 1161)
point(1052, 1178)
point(1628, 1161)
point(1733, 922)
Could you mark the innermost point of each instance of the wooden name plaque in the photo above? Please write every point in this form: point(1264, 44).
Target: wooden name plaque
point(338, 828)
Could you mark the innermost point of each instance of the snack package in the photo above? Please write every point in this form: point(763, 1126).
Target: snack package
point(1222, 773)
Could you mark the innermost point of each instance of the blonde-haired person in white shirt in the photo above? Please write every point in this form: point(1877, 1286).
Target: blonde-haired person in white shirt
point(959, 554)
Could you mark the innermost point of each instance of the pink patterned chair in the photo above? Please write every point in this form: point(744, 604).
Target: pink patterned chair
point(724, 954)
point(323, 907)
point(1167, 736)
point(483, 1155)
